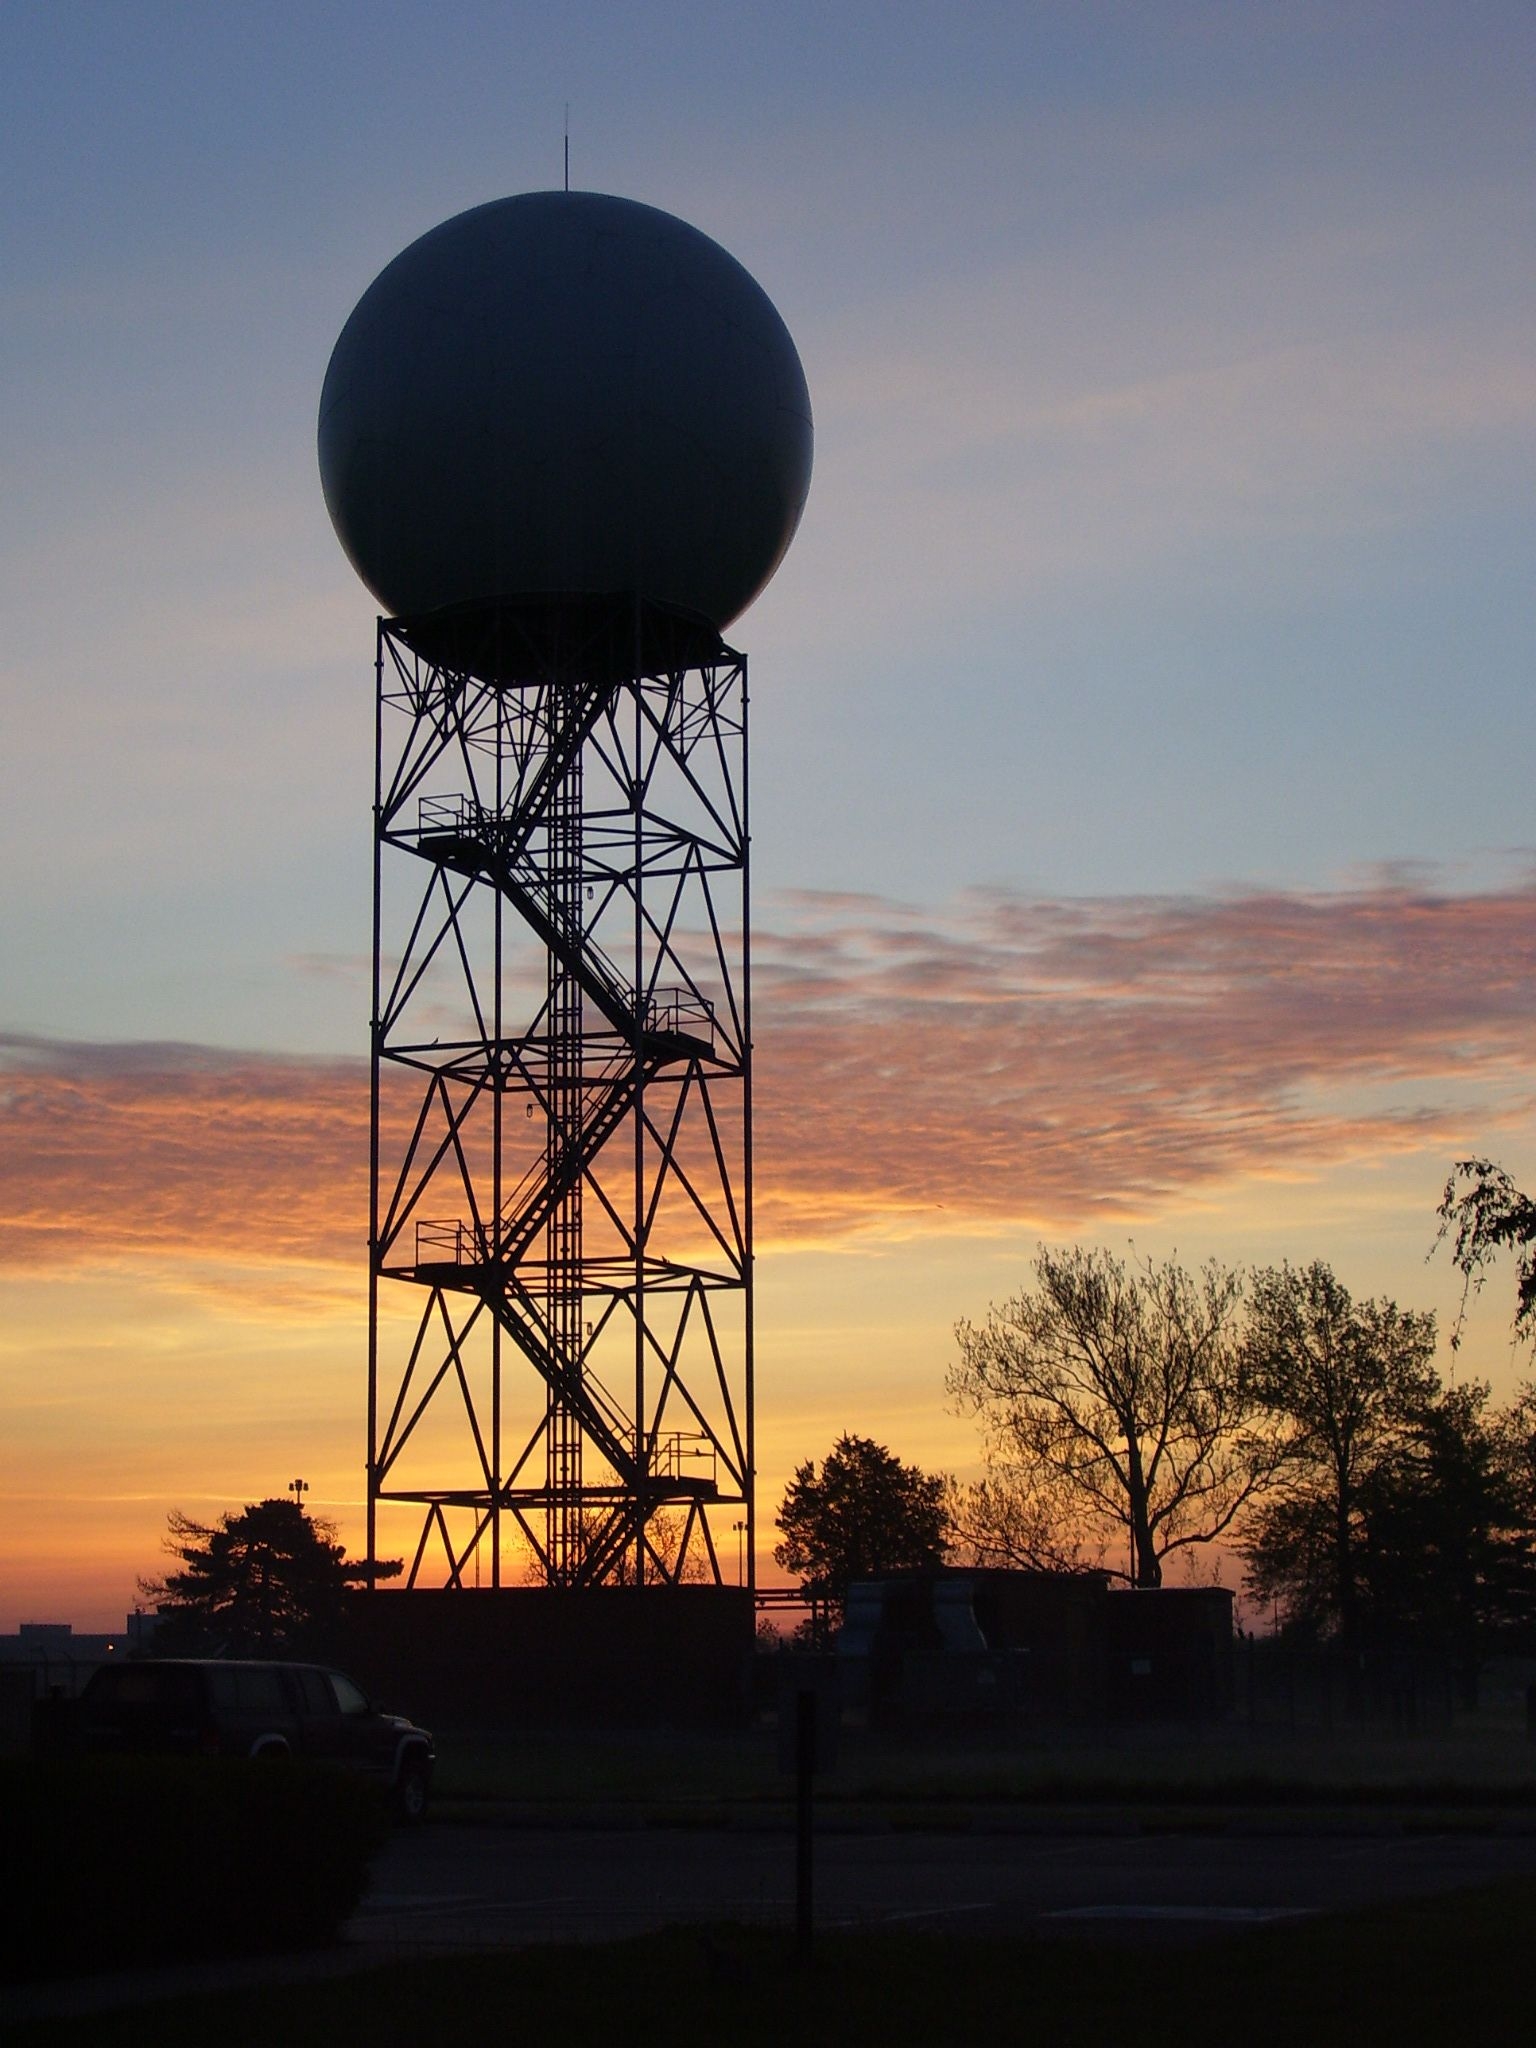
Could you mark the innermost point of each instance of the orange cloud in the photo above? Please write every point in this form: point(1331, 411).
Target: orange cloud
point(108, 1152)
point(1015, 1061)
point(1053, 1061)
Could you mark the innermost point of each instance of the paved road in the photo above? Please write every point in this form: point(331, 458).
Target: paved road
point(447, 1886)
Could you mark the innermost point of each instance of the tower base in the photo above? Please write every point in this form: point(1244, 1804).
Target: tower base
point(551, 1657)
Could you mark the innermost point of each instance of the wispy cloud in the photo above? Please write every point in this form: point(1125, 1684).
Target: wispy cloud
point(1199, 346)
point(1014, 1061)
point(1052, 1062)
point(108, 1152)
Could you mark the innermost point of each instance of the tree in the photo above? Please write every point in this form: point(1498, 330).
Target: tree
point(1516, 1427)
point(1489, 1215)
point(1347, 1384)
point(1448, 1560)
point(269, 1578)
point(1114, 1413)
point(862, 1515)
point(676, 1551)
point(1021, 1517)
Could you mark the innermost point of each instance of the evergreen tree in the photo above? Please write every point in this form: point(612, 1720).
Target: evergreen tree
point(267, 1580)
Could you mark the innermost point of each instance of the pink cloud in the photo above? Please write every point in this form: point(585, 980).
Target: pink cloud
point(1014, 1061)
point(1053, 1061)
point(112, 1151)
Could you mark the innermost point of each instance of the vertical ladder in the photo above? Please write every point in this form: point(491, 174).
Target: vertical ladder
point(563, 1163)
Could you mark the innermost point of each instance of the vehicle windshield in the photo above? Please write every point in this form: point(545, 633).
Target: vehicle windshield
point(348, 1698)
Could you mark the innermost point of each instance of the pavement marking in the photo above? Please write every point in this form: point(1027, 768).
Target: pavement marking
point(1236, 1916)
point(939, 1912)
point(414, 1902)
point(479, 1904)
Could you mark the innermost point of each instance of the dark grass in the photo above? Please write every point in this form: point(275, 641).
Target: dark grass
point(709, 1778)
point(1456, 1970)
point(121, 1859)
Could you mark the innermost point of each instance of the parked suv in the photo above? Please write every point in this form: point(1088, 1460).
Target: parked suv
point(213, 1707)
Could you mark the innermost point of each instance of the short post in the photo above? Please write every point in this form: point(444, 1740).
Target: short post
point(805, 1771)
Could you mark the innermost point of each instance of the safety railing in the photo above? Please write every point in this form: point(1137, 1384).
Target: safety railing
point(682, 1454)
point(451, 1242)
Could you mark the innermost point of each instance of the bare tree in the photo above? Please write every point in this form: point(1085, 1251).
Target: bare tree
point(1115, 1414)
point(1024, 1516)
point(674, 1553)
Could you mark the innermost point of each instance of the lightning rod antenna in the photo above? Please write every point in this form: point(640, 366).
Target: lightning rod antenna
point(567, 145)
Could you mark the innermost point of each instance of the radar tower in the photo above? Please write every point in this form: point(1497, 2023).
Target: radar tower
point(565, 439)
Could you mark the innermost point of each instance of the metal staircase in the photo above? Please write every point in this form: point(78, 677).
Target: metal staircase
point(513, 859)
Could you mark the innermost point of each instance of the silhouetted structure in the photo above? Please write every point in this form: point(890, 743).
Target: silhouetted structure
point(565, 439)
point(986, 1646)
point(527, 1657)
point(49, 1659)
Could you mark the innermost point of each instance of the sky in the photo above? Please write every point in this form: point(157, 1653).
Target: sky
point(1142, 718)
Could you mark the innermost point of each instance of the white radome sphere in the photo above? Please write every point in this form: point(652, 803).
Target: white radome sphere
point(565, 394)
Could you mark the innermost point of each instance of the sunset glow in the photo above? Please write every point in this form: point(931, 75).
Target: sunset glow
point(1141, 723)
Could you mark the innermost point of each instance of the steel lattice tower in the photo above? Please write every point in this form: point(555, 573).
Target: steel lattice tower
point(560, 1326)
point(565, 440)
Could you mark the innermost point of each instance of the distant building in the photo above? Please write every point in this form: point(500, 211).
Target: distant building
point(47, 1657)
point(965, 1647)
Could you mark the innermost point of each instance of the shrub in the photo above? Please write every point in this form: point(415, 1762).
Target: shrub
point(154, 1859)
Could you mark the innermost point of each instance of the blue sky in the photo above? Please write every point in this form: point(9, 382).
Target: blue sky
point(1172, 516)
point(1169, 549)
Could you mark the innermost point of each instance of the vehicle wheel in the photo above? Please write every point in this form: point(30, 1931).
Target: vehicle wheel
point(411, 1793)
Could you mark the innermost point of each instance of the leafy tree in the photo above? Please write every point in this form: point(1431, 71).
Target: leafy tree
point(1347, 1383)
point(1114, 1413)
point(1406, 1512)
point(1516, 1427)
point(862, 1515)
point(1447, 1553)
point(1484, 1214)
point(267, 1579)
